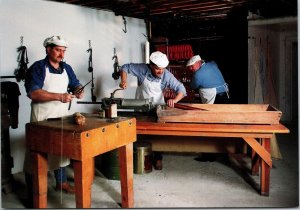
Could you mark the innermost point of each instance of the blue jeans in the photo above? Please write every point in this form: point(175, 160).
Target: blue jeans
point(60, 175)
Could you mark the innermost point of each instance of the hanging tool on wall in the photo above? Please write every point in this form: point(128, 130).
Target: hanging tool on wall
point(90, 69)
point(125, 23)
point(21, 71)
point(116, 74)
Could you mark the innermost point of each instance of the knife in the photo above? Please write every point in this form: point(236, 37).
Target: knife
point(78, 91)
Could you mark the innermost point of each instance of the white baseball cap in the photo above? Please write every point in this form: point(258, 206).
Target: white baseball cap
point(193, 60)
point(159, 59)
point(56, 40)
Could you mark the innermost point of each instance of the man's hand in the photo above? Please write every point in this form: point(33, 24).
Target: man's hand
point(123, 84)
point(66, 97)
point(171, 103)
point(79, 92)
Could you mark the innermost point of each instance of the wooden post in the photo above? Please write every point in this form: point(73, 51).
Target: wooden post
point(255, 162)
point(265, 170)
point(126, 175)
point(83, 177)
point(40, 179)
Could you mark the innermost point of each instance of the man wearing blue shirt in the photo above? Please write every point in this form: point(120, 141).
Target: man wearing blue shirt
point(208, 81)
point(51, 84)
point(152, 79)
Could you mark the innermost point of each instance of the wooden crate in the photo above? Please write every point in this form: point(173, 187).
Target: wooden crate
point(222, 113)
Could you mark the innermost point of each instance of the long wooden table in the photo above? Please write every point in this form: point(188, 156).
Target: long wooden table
point(81, 144)
point(256, 136)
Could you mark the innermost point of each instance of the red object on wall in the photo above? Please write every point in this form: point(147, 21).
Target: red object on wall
point(178, 55)
point(177, 52)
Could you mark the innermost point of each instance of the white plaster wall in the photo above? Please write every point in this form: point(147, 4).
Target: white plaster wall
point(37, 19)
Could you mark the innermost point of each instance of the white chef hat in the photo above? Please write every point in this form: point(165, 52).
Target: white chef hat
point(56, 40)
point(159, 59)
point(193, 60)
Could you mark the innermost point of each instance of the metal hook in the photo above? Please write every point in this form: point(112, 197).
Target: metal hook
point(115, 56)
point(125, 22)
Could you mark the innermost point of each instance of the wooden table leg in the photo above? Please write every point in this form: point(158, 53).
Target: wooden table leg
point(255, 163)
point(83, 177)
point(126, 175)
point(40, 179)
point(265, 170)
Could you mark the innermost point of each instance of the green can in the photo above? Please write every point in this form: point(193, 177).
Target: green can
point(110, 166)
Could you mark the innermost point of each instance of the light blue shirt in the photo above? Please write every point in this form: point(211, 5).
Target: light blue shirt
point(208, 76)
point(141, 71)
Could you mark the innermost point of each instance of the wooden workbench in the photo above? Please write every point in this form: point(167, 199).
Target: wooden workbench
point(256, 136)
point(81, 144)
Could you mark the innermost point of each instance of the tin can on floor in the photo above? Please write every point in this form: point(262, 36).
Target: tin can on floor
point(142, 157)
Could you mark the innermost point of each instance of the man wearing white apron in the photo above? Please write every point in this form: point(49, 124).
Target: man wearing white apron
point(153, 79)
point(208, 81)
point(50, 84)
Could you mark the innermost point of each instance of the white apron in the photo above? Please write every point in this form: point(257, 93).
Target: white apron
point(150, 90)
point(208, 95)
point(55, 83)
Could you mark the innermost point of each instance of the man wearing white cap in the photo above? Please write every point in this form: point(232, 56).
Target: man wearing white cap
point(208, 81)
point(50, 85)
point(152, 79)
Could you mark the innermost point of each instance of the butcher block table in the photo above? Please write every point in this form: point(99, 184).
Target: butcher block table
point(229, 121)
point(81, 143)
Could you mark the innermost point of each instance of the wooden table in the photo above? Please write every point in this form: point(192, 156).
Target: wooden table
point(81, 144)
point(256, 136)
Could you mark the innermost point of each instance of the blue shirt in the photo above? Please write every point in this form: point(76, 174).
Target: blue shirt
point(142, 71)
point(208, 76)
point(37, 73)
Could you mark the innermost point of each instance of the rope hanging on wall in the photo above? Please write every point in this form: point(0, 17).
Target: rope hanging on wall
point(22, 59)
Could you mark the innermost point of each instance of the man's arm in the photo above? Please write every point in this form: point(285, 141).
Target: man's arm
point(123, 83)
point(177, 98)
point(41, 95)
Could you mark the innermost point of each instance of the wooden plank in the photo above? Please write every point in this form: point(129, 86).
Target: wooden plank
point(223, 128)
point(265, 170)
point(222, 113)
point(255, 163)
point(40, 179)
point(83, 177)
point(187, 107)
point(260, 150)
point(193, 144)
point(126, 175)
point(203, 133)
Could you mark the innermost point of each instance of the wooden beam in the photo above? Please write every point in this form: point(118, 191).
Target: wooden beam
point(261, 151)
